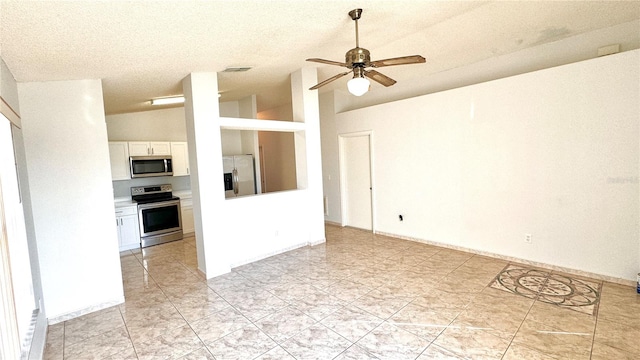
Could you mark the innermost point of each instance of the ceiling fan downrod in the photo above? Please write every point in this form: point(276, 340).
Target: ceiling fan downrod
point(355, 15)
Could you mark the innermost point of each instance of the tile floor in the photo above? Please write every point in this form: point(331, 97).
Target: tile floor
point(359, 296)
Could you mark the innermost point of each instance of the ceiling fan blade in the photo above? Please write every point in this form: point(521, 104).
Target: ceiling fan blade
point(323, 61)
point(378, 77)
point(330, 80)
point(413, 59)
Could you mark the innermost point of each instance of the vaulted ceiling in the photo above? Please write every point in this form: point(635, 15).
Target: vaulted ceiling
point(143, 49)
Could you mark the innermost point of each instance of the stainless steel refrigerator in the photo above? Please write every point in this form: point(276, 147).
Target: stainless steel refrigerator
point(239, 175)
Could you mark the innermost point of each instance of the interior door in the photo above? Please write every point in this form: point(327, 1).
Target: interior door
point(357, 182)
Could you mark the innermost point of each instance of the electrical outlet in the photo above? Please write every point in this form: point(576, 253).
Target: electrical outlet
point(527, 238)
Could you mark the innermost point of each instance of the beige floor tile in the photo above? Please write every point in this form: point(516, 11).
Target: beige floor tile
point(618, 336)
point(316, 342)
point(277, 353)
point(355, 352)
point(382, 303)
point(554, 342)
point(84, 327)
point(440, 299)
point(285, 323)
point(173, 343)
point(260, 305)
point(520, 352)
point(500, 321)
point(490, 297)
point(351, 322)
point(348, 290)
point(420, 321)
point(245, 343)
point(200, 354)
point(605, 352)
point(318, 305)
point(390, 342)
point(330, 300)
point(215, 326)
point(435, 352)
point(561, 318)
point(54, 347)
point(295, 291)
point(475, 343)
point(621, 304)
point(100, 346)
point(198, 304)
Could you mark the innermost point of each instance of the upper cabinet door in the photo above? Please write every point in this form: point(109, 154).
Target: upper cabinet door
point(180, 157)
point(119, 156)
point(143, 148)
point(160, 148)
point(139, 148)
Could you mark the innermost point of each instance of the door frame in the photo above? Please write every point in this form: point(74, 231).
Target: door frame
point(341, 158)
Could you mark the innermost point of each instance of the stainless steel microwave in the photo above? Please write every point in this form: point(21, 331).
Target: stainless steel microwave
point(147, 166)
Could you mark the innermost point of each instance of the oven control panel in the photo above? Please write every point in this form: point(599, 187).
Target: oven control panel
point(153, 189)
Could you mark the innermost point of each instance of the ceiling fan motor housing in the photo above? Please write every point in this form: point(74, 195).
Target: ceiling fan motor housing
point(358, 57)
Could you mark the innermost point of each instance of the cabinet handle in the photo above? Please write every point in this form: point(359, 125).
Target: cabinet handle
point(188, 171)
point(151, 151)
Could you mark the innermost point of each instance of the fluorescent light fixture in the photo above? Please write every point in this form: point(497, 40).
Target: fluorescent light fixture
point(168, 100)
point(358, 86)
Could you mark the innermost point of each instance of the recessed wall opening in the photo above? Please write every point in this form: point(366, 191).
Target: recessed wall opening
point(257, 162)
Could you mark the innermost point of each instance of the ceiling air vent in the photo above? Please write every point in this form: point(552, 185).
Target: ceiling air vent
point(237, 69)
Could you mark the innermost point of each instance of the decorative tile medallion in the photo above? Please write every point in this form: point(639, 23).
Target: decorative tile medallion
point(561, 290)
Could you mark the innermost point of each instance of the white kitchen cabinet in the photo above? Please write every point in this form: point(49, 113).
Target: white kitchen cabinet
point(180, 157)
point(186, 212)
point(119, 156)
point(144, 148)
point(128, 230)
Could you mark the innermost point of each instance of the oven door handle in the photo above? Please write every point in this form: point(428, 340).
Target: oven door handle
point(235, 181)
point(158, 204)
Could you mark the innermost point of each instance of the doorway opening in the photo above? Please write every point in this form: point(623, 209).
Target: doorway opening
point(356, 182)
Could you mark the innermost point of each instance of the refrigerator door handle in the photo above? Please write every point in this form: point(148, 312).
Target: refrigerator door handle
point(235, 181)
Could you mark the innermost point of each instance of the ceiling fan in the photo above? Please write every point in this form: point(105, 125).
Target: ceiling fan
point(357, 59)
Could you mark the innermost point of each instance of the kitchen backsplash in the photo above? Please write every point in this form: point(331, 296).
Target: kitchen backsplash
point(122, 188)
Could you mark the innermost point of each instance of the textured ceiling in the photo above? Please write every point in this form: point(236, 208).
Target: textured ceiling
point(143, 49)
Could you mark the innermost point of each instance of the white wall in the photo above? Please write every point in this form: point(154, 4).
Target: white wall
point(65, 139)
point(553, 153)
point(154, 125)
point(28, 293)
point(277, 221)
point(330, 165)
point(9, 89)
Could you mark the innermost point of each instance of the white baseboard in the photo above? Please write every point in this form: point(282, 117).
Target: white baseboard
point(515, 259)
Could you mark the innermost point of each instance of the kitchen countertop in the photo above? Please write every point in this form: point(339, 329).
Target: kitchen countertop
point(183, 194)
point(124, 202)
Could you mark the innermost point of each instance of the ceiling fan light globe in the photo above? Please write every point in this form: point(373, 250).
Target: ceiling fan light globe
point(358, 86)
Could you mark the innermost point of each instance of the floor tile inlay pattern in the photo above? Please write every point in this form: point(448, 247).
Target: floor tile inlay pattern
point(562, 290)
point(357, 296)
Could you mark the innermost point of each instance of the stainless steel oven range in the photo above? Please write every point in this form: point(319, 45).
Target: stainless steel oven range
point(158, 214)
